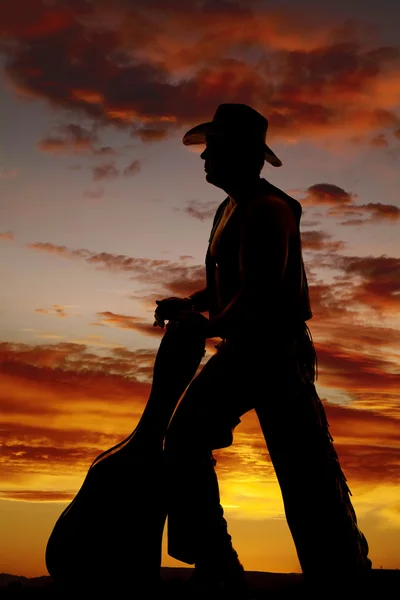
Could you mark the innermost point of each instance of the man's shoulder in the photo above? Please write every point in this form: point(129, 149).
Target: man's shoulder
point(273, 205)
point(275, 201)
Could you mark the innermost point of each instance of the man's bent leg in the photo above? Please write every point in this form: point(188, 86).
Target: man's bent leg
point(197, 529)
point(200, 424)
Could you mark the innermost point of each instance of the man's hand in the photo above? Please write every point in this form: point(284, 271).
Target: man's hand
point(168, 307)
point(192, 320)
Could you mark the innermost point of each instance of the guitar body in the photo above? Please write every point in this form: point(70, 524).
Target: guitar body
point(110, 535)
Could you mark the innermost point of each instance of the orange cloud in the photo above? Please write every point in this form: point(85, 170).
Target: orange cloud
point(62, 405)
point(59, 311)
point(7, 235)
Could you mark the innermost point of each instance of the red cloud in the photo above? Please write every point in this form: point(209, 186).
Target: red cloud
point(133, 168)
point(318, 241)
point(106, 171)
point(380, 141)
point(377, 280)
point(120, 66)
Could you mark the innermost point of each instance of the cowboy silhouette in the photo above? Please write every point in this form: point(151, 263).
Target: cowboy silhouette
point(257, 298)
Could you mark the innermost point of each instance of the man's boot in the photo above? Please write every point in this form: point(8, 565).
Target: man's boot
point(219, 575)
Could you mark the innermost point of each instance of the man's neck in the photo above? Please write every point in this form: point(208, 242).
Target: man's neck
point(241, 192)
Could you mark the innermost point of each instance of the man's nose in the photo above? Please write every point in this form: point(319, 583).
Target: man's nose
point(204, 155)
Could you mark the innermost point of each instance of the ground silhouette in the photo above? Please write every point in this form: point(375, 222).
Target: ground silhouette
point(383, 584)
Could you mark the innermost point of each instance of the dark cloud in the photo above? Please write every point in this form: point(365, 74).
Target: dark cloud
point(327, 194)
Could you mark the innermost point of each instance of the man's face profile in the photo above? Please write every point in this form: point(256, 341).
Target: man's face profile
point(218, 159)
point(228, 161)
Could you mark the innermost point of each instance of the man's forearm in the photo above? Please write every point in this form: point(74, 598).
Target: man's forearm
point(242, 312)
point(229, 318)
point(200, 300)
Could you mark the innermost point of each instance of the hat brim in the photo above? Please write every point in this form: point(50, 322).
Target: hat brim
point(197, 135)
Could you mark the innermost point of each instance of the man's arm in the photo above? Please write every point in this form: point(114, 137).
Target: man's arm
point(200, 300)
point(263, 256)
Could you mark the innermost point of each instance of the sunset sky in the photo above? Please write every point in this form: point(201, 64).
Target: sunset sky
point(103, 211)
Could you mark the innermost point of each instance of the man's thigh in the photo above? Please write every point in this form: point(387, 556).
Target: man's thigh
point(213, 403)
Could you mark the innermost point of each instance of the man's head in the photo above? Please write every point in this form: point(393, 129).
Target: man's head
point(230, 163)
point(235, 144)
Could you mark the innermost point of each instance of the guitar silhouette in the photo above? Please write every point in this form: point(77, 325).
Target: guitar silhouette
point(110, 535)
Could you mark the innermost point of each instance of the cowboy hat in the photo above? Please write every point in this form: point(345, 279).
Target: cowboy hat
point(234, 120)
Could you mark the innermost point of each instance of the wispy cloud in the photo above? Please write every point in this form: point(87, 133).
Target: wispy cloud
point(7, 173)
point(73, 139)
point(199, 210)
point(94, 194)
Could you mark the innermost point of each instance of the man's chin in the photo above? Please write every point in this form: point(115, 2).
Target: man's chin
point(214, 180)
